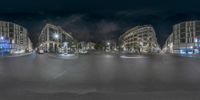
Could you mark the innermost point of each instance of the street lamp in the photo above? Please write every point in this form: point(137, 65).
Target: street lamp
point(56, 36)
point(108, 43)
point(2, 38)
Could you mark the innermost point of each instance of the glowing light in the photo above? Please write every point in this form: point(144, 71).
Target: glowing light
point(195, 40)
point(190, 53)
point(108, 43)
point(19, 51)
point(56, 36)
point(2, 38)
point(182, 51)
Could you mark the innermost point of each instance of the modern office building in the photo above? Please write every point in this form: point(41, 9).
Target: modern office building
point(139, 39)
point(185, 38)
point(55, 39)
point(14, 38)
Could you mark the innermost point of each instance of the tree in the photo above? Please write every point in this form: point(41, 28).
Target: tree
point(98, 46)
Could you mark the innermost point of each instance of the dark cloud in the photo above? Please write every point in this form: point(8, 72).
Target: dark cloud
point(137, 13)
point(107, 27)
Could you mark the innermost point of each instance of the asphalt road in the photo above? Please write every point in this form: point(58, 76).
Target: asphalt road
point(100, 76)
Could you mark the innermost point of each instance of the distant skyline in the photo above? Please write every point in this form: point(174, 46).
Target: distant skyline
point(93, 20)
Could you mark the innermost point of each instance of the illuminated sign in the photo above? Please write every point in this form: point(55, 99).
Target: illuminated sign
point(195, 40)
point(4, 45)
point(182, 51)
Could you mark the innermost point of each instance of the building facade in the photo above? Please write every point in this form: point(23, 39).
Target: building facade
point(14, 38)
point(91, 45)
point(55, 39)
point(185, 38)
point(168, 46)
point(139, 39)
point(86, 45)
point(110, 45)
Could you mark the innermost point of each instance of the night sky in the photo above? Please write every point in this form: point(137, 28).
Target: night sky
point(93, 20)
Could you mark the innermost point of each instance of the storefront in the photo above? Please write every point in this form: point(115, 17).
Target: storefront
point(4, 46)
point(190, 50)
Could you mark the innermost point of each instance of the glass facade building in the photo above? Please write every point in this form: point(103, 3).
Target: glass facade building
point(14, 38)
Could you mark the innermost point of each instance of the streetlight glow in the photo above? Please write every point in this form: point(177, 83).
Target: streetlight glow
point(56, 36)
point(108, 43)
point(195, 40)
point(2, 38)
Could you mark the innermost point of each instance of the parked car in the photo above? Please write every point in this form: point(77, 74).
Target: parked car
point(40, 51)
point(83, 51)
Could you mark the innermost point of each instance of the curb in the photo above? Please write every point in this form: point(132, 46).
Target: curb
point(61, 57)
point(20, 55)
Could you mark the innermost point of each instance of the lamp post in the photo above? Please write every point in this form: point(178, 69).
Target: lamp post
point(108, 43)
point(2, 38)
point(56, 37)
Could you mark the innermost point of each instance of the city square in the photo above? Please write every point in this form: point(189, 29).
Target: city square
point(100, 76)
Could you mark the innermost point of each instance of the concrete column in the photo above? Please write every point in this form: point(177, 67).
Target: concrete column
point(53, 47)
point(47, 47)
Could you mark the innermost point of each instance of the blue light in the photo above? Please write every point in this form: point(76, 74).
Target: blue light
point(190, 52)
point(2, 38)
point(4, 45)
point(186, 51)
point(182, 51)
